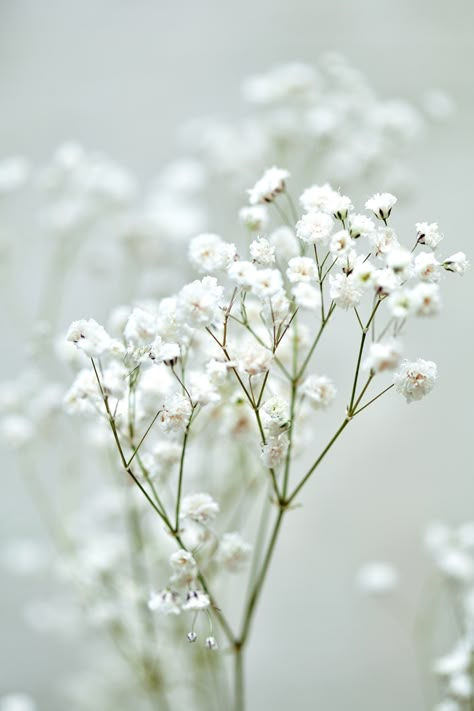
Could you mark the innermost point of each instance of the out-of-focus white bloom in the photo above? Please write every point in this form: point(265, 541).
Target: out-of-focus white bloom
point(344, 290)
point(340, 206)
point(448, 705)
point(90, 337)
point(381, 205)
point(360, 225)
point(428, 234)
point(253, 359)
point(184, 566)
point(166, 602)
point(164, 352)
point(198, 302)
point(200, 508)
point(289, 82)
point(403, 303)
point(140, 328)
point(426, 267)
point(383, 356)
point(384, 240)
point(385, 281)
point(457, 263)
point(16, 430)
point(202, 389)
point(275, 450)
point(319, 390)
point(242, 272)
point(276, 308)
point(427, 299)
point(196, 600)
point(262, 252)
point(306, 296)
point(254, 217)
point(314, 227)
point(318, 197)
point(217, 370)
point(285, 243)
point(437, 537)
point(378, 578)
point(211, 644)
point(341, 243)
point(209, 253)
point(14, 173)
point(363, 272)
point(175, 413)
point(456, 564)
point(457, 661)
point(267, 282)
point(399, 261)
point(301, 269)
point(233, 552)
point(275, 415)
point(269, 186)
point(415, 379)
point(460, 686)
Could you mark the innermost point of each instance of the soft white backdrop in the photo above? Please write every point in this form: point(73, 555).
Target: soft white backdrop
point(121, 76)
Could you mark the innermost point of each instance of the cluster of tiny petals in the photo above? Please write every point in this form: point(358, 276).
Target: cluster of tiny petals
point(415, 379)
point(200, 508)
point(209, 253)
point(269, 186)
point(381, 205)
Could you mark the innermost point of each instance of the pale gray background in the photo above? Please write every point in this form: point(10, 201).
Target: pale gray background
point(121, 75)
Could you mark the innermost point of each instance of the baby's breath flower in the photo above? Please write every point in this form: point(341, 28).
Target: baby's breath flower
point(90, 337)
point(275, 450)
point(360, 225)
point(198, 302)
point(381, 205)
point(254, 217)
point(385, 281)
point(340, 206)
point(318, 197)
point(345, 291)
point(426, 267)
point(200, 508)
point(262, 252)
point(191, 637)
point(457, 263)
point(209, 253)
point(415, 379)
point(285, 243)
point(267, 282)
point(196, 600)
point(211, 644)
point(383, 356)
point(314, 227)
point(242, 273)
point(427, 299)
point(306, 296)
point(275, 415)
point(161, 352)
point(166, 602)
point(341, 244)
point(301, 269)
point(319, 390)
point(253, 358)
point(175, 413)
point(399, 261)
point(428, 234)
point(269, 186)
point(233, 552)
point(140, 328)
point(384, 240)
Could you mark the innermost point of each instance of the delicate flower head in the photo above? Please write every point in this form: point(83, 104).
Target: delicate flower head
point(161, 352)
point(90, 337)
point(427, 299)
point(314, 227)
point(345, 291)
point(254, 217)
point(428, 234)
point(166, 602)
point(457, 263)
point(196, 600)
point(318, 197)
point(140, 328)
point(306, 296)
point(384, 240)
point(198, 302)
point(426, 267)
point(211, 644)
point(269, 186)
point(301, 269)
point(200, 508)
point(381, 205)
point(275, 450)
point(267, 282)
point(209, 253)
point(383, 356)
point(175, 413)
point(341, 244)
point(360, 225)
point(415, 379)
point(233, 552)
point(262, 252)
point(242, 273)
point(275, 415)
point(319, 390)
point(399, 261)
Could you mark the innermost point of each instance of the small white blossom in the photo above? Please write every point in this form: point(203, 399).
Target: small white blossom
point(457, 661)
point(385, 281)
point(306, 296)
point(200, 508)
point(275, 450)
point(196, 600)
point(383, 356)
point(428, 234)
point(140, 328)
point(319, 390)
point(253, 358)
point(381, 205)
point(384, 240)
point(198, 302)
point(426, 267)
point(254, 217)
point(344, 290)
point(415, 379)
point(161, 352)
point(403, 303)
point(262, 252)
point(363, 272)
point(90, 337)
point(427, 299)
point(269, 186)
point(318, 197)
point(275, 415)
point(340, 206)
point(457, 263)
point(360, 225)
point(267, 282)
point(399, 261)
point(209, 253)
point(341, 244)
point(285, 243)
point(460, 686)
point(166, 602)
point(175, 413)
point(211, 644)
point(242, 273)
point(301, 269)
point(184, 566)
point(314, 227)
point(233, 552)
